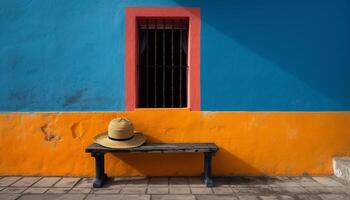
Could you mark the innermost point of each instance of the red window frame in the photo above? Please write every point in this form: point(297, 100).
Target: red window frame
point(131, 50)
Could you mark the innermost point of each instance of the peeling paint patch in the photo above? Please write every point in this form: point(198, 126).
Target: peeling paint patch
point(208, 114)
point(77, 130)
point(48, 135)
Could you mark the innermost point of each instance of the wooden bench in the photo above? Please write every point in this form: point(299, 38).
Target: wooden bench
point(209, 149)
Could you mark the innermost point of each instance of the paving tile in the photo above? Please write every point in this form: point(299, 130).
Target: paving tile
point(346, 190)
point(278, 181)
point(136, 184)
point(47, 182)
point(67, 182)
point(9, 196)
point(322, 190)
point(117, 197)
point(26, 182)
point(196, 182)
point(327, 181)
point(270, 197)
point(287, 183)
point(157, 190)
point(344, 182)
point(286, 197)
point(80, 190)
point(296, 178)
point(137, 181)
point(334, 197)
point(179, 190)
point(201, 190)
point(106, 190)
point(58, 190)
point(305, 181)
point(7, 181)
point(256, 181)
point(251, 190)
point(216, 197)
point(110, 184)
point(247, 197)
point(119, 180)
point(174, 197)
point(133, 190)
point(293, 190)
point(179, 181)
point(13, 190)
point(85, 183)
point(244, 190)
point(243, 181)
point(52, 197)
point(33, 190)
point(317, 190)
point(222, 190)
point(336, 190)
point(308, 197)
point(222, 181)
point(159, 181)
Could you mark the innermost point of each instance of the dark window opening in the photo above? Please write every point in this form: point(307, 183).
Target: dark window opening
point(162, 64)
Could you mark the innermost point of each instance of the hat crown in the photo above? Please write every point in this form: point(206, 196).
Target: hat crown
point(120, 124)
point(120, 128)
point(120, 135)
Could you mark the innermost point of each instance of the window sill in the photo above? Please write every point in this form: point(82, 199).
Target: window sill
point(162, 109)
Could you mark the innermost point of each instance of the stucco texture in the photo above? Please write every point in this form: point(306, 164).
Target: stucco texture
point(270, 55)
point(251, 143)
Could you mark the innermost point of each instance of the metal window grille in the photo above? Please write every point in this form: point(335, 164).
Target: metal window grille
point(162, 63)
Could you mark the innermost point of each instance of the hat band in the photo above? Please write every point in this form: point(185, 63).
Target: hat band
point(123, 139)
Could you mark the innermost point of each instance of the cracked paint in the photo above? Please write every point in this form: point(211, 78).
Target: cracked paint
point(49, 136)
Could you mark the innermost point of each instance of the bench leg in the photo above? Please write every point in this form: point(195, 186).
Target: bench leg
point(101, 177)
point(207, 169)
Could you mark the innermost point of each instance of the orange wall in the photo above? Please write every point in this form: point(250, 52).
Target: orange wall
point(251, 143)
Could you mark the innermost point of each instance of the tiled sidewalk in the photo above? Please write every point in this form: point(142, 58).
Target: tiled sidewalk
point(175, 188)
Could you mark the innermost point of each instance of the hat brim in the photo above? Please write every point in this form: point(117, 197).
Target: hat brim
point(137, 140)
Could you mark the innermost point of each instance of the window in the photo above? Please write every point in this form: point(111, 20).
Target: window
point(154, 20)
point(162, 62)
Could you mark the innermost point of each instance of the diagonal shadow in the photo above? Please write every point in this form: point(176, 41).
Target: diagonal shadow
point(296, 49)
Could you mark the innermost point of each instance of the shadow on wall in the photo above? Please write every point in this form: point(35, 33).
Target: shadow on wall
point(306, 40)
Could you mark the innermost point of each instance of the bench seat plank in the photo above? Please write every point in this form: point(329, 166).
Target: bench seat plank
point(159, 148)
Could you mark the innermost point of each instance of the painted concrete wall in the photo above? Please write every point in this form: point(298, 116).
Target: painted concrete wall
point(255, 55)
point(285, 56)
point(250, 143)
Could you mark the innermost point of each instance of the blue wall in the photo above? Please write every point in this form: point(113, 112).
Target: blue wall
point(272, 55)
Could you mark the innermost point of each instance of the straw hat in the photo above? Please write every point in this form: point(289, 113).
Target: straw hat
point(120, 135)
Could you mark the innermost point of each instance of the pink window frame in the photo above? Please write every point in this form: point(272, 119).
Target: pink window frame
point(131, 49)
